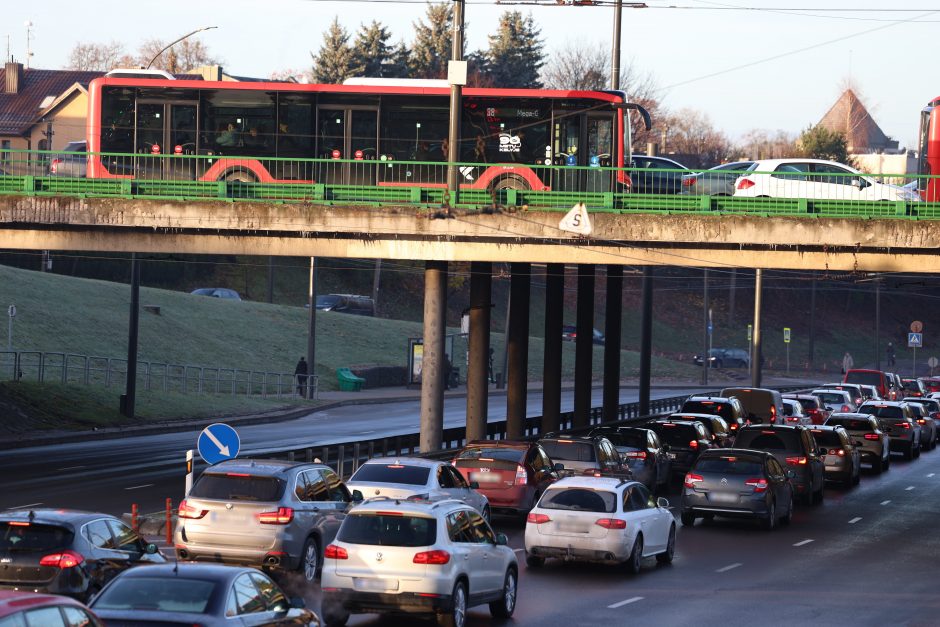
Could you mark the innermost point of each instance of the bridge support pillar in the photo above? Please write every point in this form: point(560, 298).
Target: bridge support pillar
point(518, 349)
point(478, 372)
point(432, 371)
point(584, 347)
point(612, 331)
point(755, 352)
point(551, 368)
point(646, 341)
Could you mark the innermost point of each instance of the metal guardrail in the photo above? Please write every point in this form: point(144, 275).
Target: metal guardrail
point(379, 182)
point(71, 368)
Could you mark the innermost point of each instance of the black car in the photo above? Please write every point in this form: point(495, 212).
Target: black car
point(728, 407)
point(656, 175)
point(685, 439)
point(67, 552)
point(717, 428)
point(795, 449)
point(737, 483)
point(643, 451)
point(584, 455)
point(197, 594)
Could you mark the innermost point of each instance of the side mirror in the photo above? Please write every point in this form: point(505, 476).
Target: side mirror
point(151, 549)
point(791, 474)
point(297, 603)
point(356, 496)
point(559, 467)
point(501, 539)
point(474, 485)
point(662, 502)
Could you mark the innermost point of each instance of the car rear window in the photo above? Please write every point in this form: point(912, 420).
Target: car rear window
point(392, 473)
point(830, 398)
point(851, 424)
point(629, 439)
point(707, 407)
point(503, 454)
point(26, 536)
point(824, 437)
point(868, 378)
point(388, 529)
point(766, 440)
point(569, 451)
point(882, 411)
point(731, 465)
point(156, 594)
point(579, 500)
point(238, 487)
point(808, 403)
point(675, 434)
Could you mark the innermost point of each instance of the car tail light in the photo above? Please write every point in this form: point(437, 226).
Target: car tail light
point(54, 166)
point(797, 461)
point(431, 557)
point(688, 181)
point(872, 436)
point(282, 516)
point(921, 421)
point(611, 523)
point(635, 454)
point(691, 479)
point(745, 183)
point(333, 552)
point(773, 414)
point(187, 511)
point(537, 519)
point(65, 559)
point(837, 451)
point(734, 426)
point(759, 485)
point(846, 409)
point(905, 425)
point(522, 477)
point(792, 418)
point(693, 445)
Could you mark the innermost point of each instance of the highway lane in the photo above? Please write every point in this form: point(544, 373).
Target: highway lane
point(110, 474)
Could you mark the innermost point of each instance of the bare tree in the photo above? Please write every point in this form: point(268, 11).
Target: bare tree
point(691, 132)
point(764, 144)
point(96, 57)
point(185, 55)
point(291, 74)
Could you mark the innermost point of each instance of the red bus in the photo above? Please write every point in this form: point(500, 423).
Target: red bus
point(929, 151)
point(356, 134)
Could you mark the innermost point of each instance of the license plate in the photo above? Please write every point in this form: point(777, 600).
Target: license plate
point(373, 584)
point(484, 477)
point(722, 497)
point(831, 460)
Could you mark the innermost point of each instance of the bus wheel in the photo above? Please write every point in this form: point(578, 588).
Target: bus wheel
point(241, 176)
point(509, 182)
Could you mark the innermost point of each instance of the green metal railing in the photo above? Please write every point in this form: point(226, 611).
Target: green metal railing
point(378, 182)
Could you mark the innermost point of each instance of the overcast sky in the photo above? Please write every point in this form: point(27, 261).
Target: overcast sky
point(746, 63)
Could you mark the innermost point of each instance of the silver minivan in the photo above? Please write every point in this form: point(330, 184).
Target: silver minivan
point(268, 514)
point(762, 405)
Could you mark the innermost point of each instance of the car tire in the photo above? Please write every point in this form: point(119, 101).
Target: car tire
point(886, 465)
point(788, 517)
point(819, 495)
point(506, 605)
point(534, 561)
point(310, 562)
point(666, 556)
point(769, 521)
point(878, 466)
point(635, 561)
point(687, 518)
point(457, 616)
point(334, 615)
point(858, 475)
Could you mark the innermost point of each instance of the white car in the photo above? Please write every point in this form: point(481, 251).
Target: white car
point(815, 178)
point(793, 413)
point(415, 477)
point(599, 519)
point(838, 401)
point(417, 557)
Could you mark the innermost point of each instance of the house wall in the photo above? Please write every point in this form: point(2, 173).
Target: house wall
point(68, 122)
point(887, 164)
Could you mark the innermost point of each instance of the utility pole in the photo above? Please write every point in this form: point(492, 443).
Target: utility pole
point(756, 351)
point(311, 328)
point(130, 385)
point(707, 329)
point(457, 77)
point(615, 53)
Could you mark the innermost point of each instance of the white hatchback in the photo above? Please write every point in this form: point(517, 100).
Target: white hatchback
point(417, 557)
point(600, 519)
point(815, 178)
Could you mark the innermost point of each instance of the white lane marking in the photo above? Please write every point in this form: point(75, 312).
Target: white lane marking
point(25, 506)
point(931, 475)
point(137, 487)
point(72, 467)
point(855, 520)
point(802, 542)
point(614, 606)
point(886, 502)
point(729, 567)
point(366, 432)
point(909, 488)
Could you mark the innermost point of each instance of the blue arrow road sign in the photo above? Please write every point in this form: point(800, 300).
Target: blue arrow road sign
point(915, 340)
point(217, 443)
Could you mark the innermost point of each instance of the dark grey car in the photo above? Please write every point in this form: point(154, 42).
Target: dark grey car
point(926, 420)
point(795, 449)
point(268, 514)
point(643, 451)
point(872, 443)
point(737, 483)
point(840, 456)
point(898, 422)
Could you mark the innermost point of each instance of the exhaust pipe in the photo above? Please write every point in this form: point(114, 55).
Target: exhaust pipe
point(182, 553)
point(272, 560)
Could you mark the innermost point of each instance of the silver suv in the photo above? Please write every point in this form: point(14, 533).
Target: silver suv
point(269, 514)
point(417, 557)
point(898, 422)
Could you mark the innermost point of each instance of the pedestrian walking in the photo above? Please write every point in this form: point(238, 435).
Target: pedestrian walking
point(300, 371)
point(847, 362)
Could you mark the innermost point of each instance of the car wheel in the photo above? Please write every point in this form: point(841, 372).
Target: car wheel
point(819, 494)
point(635, 561)
point(507, 604)
point(310, 560)
point(887, 463)
point(688, 519)
point(858, 475)
point(787, 518)
point(770, 520)
point(666, 556)
point(457, 617)
point(534, 561)
point(240, 176)
point(878, 466)
point(334, 615)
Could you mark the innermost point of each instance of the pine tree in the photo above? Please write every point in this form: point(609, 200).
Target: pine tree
point(335, 62)
point(371, 51)
point(399, 62)
point(514, 57)
point(432, 46)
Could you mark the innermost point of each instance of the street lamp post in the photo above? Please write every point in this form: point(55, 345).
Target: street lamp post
point(157, 56)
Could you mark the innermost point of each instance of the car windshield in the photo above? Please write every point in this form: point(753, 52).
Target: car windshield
point(392, 473)
point(156, 594)
point(869, 378)
point(930, 406)
point(569, 450)
point(237, 487)
point(730, 465)
point(882, 411)
point(26, 536)
point(768, 440)
point(388, 529)
point(512, 455)
point(579, 500)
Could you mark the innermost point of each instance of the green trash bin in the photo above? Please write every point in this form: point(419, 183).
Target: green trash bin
point(349, 382)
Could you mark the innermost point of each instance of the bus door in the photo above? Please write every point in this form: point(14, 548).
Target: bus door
point(348, 134)
point(164, 134)
point(600, 149)
point(566, 150)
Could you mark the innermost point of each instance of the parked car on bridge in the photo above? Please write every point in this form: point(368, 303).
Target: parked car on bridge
point(716, 181)
point(656, 175)
point(815, 178)
point(71, 162)
point(872, 443)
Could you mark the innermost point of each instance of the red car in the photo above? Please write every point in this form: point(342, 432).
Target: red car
point(48, 610)
point(511, 474)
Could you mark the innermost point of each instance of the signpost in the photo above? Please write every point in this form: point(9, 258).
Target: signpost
point(750, 335)
point(11, 311)
point(932, 362)
point(786, 340)
point(217, 443)
point(915, 340)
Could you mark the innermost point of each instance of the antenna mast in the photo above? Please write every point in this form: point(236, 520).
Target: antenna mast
point(29, 36)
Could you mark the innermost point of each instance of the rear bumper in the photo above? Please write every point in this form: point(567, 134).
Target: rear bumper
point(74, 584)
point(747, 507)
point(268, 560)
point(611, 554)
point(380, 602)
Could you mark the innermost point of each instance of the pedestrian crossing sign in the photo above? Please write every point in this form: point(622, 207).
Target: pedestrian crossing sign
point(915, 340)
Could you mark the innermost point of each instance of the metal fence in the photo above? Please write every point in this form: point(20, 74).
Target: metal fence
point(71, 368)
